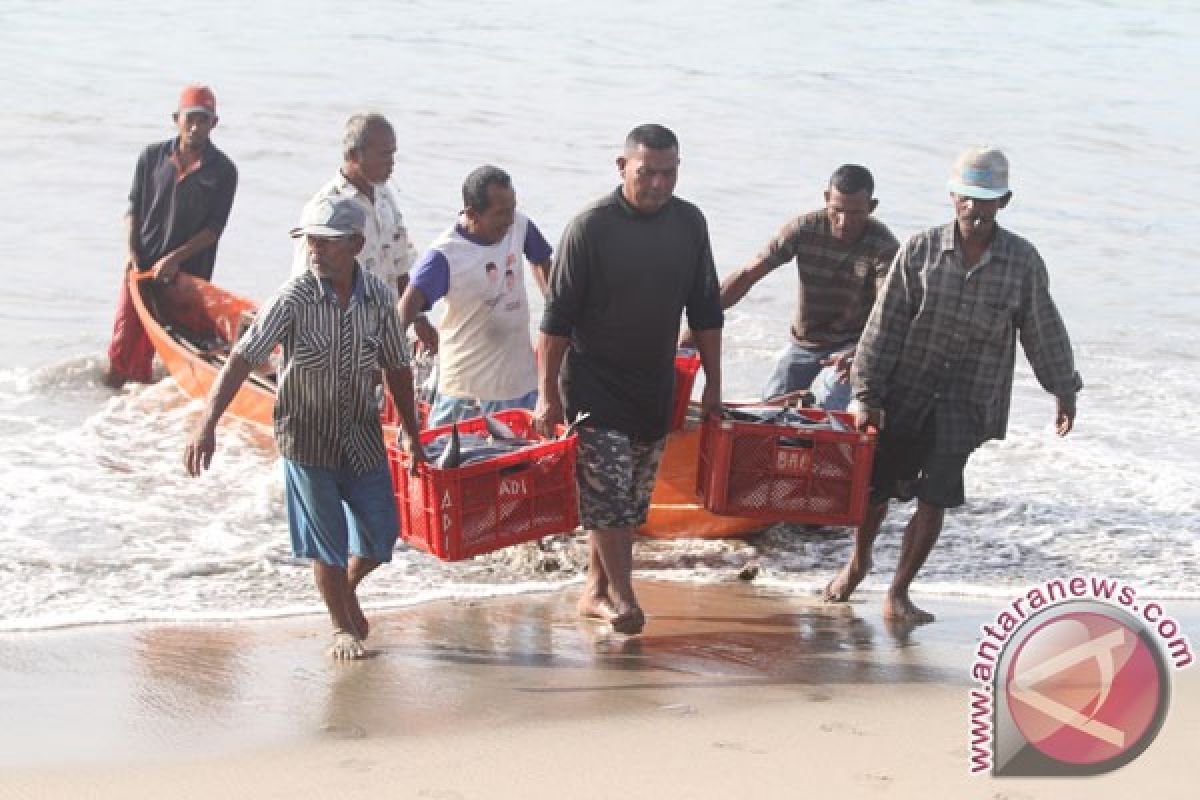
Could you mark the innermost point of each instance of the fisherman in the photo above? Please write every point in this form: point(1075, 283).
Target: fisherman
point(180, 200)
point(628, 266)
point(368, 158)
point(338, 326)
point(842, 255)
point(486, 362)
point(935, 365)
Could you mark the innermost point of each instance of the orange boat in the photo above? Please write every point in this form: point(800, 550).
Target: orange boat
point(676, 511)
point(193, 324)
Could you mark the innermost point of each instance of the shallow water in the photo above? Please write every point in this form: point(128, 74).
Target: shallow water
point(1092, 101)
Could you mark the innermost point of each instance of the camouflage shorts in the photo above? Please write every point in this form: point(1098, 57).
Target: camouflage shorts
point(616, 478)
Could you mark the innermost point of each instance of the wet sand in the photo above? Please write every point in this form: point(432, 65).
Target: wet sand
point(732, 691)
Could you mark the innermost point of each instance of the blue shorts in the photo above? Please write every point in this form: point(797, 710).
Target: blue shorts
point(448, 408)
point(335, 513)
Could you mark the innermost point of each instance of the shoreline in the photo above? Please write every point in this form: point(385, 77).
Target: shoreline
point(732, 686)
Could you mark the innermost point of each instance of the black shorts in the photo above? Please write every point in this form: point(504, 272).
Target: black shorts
point(908, 466)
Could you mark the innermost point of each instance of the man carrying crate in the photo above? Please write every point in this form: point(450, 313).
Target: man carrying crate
point(629, 265)
point(842, 254)
point(478, 266)
point(935, 365)
point(338, 327)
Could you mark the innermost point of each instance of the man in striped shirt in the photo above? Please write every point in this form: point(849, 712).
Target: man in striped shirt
point(338, 325)
point(935, 366)
point(842, 255)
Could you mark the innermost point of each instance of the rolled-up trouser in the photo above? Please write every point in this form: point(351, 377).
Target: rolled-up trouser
point(130, 352)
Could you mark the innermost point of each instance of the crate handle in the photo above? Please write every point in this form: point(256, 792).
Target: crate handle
point(795, 441)
point(515, 468)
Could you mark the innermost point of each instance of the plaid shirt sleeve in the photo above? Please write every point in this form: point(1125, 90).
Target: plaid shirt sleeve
point(1044, 336)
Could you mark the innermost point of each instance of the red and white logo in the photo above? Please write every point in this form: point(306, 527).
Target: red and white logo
point(1082, 690)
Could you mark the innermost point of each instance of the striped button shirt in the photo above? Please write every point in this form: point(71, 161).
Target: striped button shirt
point(838, 282)
point(943, 338)
point(326, 413)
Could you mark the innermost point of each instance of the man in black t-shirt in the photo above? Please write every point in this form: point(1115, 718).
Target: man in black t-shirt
point(178, 205)
point(628, 266)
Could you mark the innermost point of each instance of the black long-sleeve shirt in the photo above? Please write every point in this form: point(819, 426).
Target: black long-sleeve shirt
point(620, 283)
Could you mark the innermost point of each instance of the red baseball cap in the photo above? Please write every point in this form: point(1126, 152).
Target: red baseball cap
point(197, 98)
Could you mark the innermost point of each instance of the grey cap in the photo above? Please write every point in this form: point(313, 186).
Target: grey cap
point(981, 172)
point(331, 216)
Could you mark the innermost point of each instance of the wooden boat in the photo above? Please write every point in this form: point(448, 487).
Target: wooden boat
point(193, 324)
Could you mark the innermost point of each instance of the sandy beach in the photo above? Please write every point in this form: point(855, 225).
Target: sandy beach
point(732, 691)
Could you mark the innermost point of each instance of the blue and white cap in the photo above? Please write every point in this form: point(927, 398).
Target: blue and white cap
point(981, 172)
point(331, 216)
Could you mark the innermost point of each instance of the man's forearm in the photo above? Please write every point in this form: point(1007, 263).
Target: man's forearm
point(734, 287)
point(230, 379)
point(412, 302)
point(541, 274)
point(131, 248)
point(400, 384)
point(202, 240)
point(551, 350)
point(708, 344)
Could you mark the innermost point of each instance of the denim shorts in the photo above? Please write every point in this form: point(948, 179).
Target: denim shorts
point(448, 408)
point(334, 513)
point(801, 368)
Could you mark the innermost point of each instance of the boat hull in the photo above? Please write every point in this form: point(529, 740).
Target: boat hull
point(206, 311)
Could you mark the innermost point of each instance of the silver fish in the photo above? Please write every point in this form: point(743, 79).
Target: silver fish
point(497, 429)
point(451, 456)
point(570, 429)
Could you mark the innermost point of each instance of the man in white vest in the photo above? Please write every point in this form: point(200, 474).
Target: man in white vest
point(478, 266)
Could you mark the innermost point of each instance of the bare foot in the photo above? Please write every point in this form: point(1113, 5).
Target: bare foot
point(845, 582)
point(361, 627)
point(629, 622)
point(900, 607)
point(592, 607)
point(346, 647)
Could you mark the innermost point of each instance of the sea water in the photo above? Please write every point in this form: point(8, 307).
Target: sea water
point(1093, 101)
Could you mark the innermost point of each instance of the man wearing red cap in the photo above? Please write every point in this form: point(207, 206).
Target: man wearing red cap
point(181, 196)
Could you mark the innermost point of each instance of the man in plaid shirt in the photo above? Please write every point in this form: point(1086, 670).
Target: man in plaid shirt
point(934, 366)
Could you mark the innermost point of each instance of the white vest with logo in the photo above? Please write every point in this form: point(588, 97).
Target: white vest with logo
point(485, 352)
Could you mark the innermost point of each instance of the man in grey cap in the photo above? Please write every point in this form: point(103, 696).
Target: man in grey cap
point(934, 367)
point(338, 326)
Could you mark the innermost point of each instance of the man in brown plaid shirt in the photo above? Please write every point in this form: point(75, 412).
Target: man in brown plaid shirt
point(935, 364)
point(842, 255)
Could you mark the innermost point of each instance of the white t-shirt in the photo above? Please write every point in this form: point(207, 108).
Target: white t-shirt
point(485, 351)
point(387, 251)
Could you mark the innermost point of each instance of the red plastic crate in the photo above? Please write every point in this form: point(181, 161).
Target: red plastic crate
point(784, 473)
point(484, 506)
point(687, 364)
